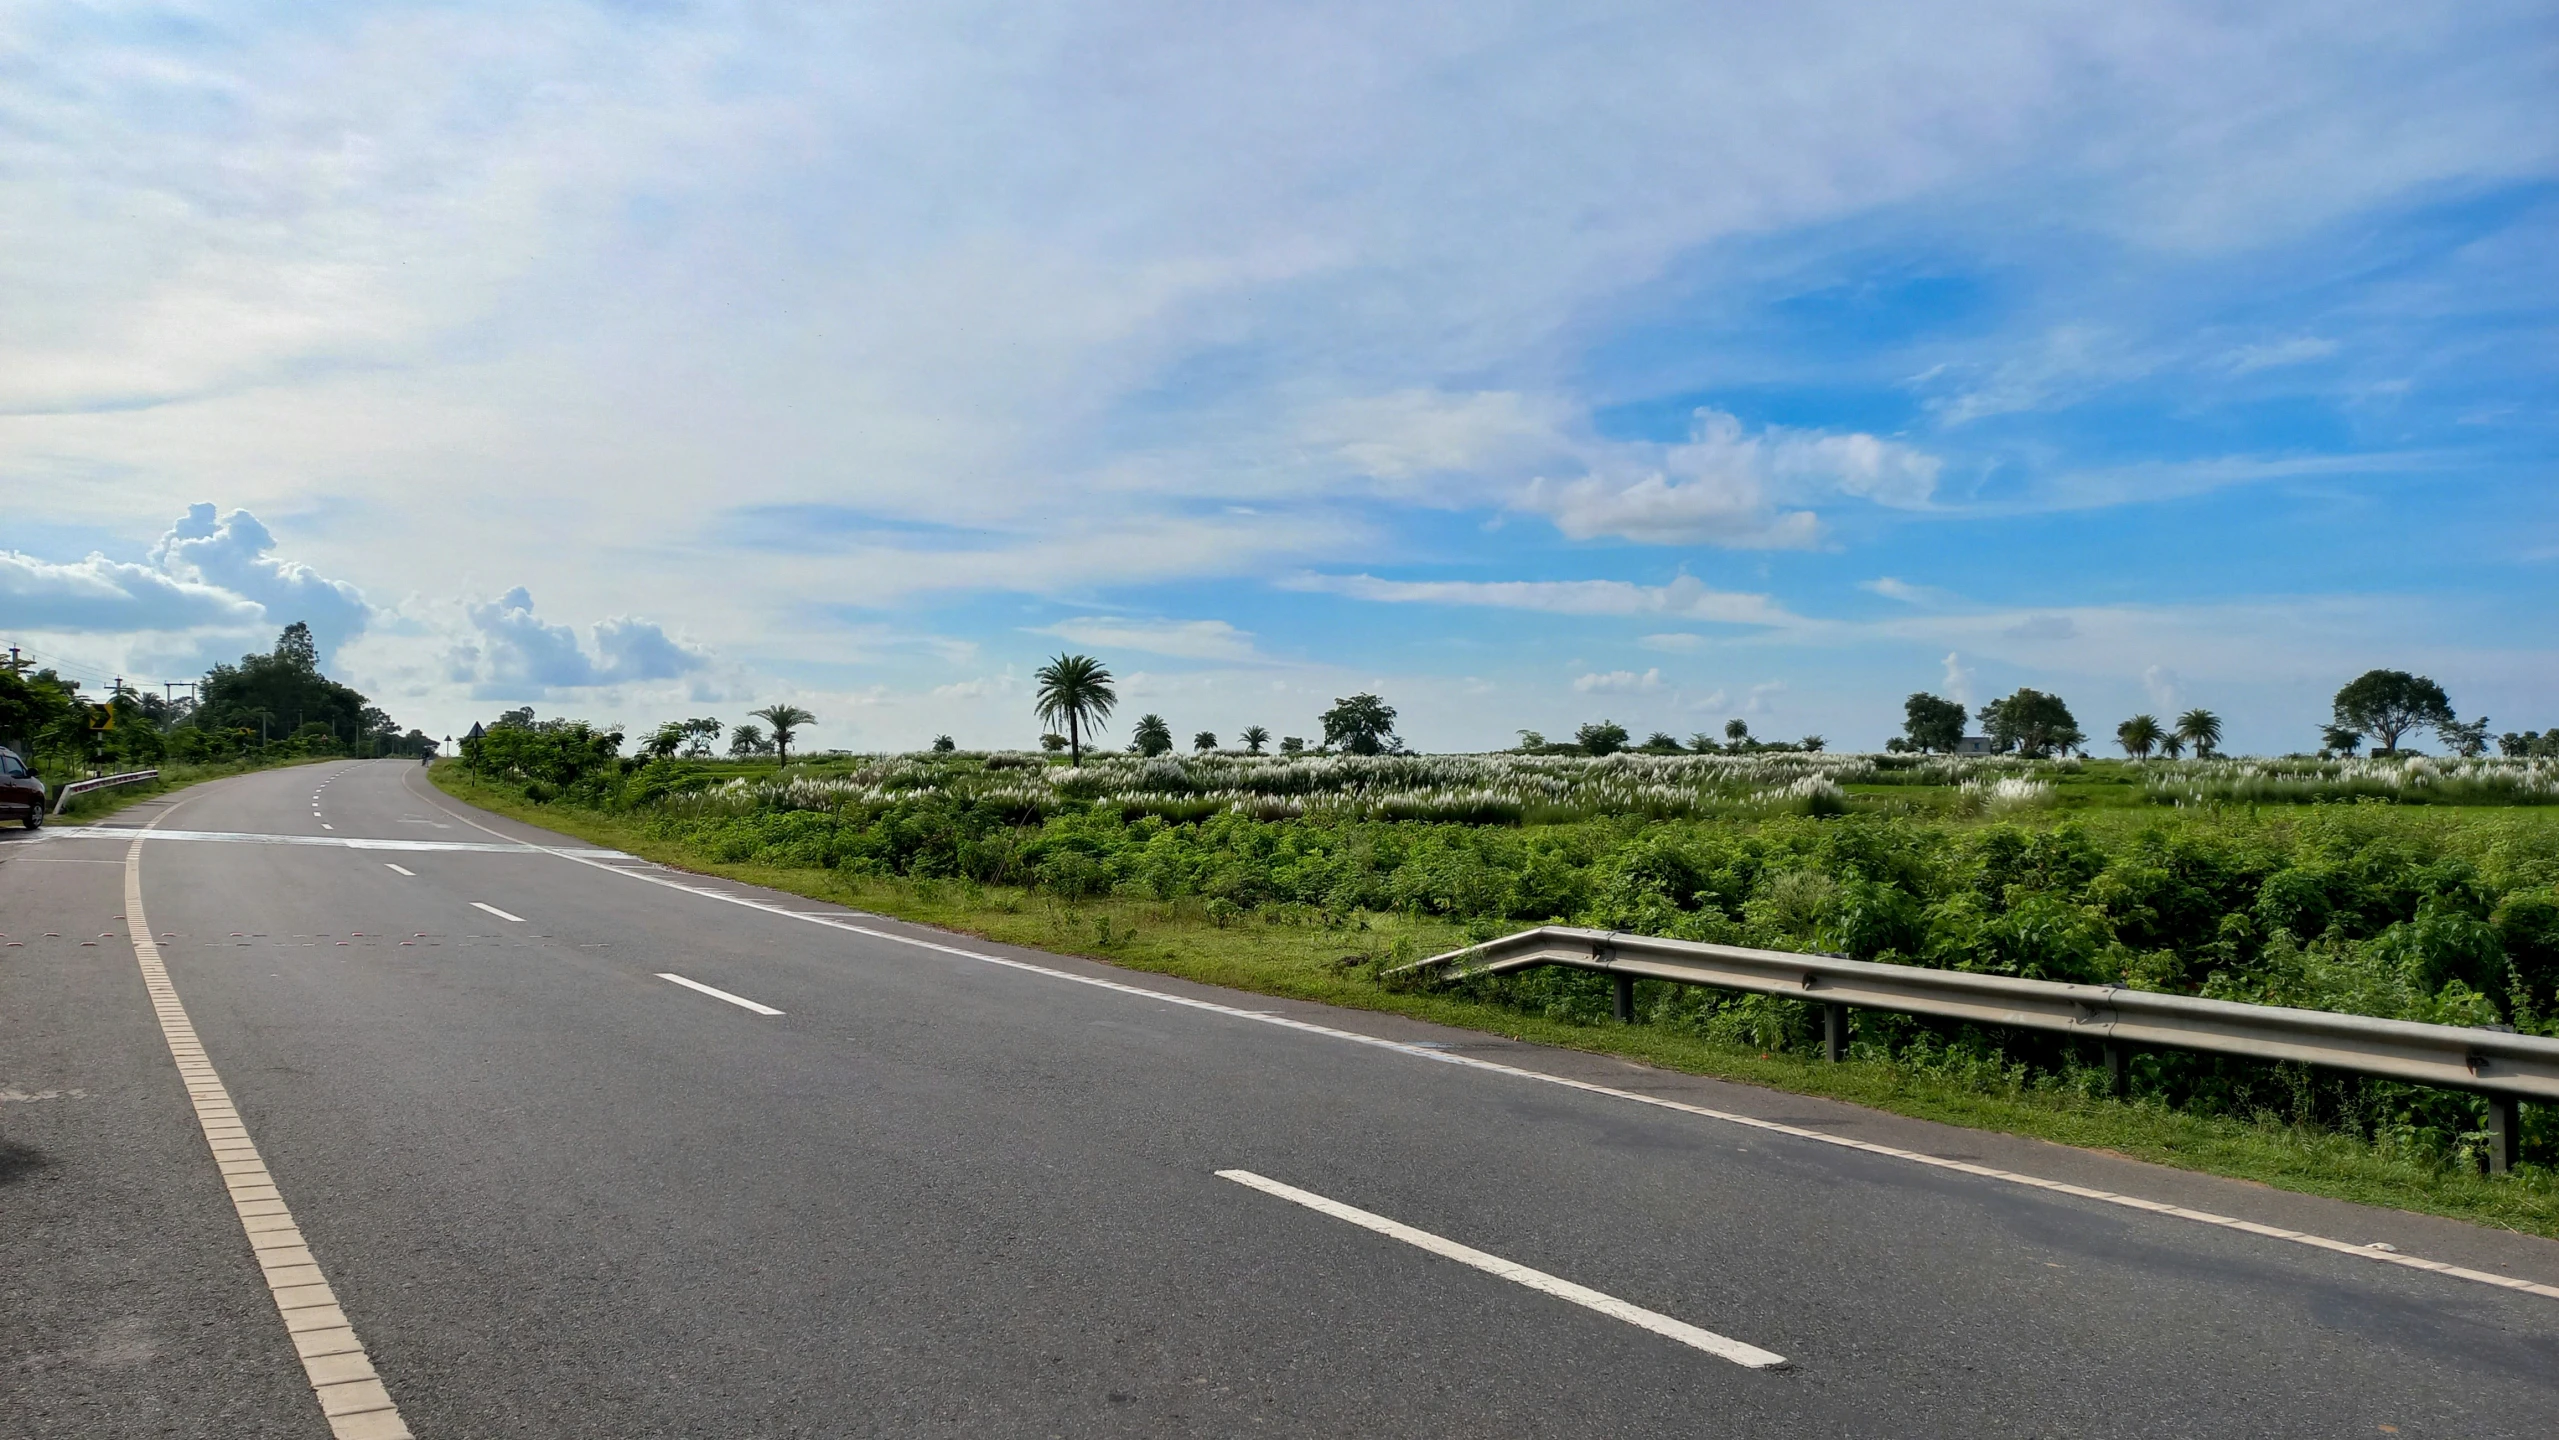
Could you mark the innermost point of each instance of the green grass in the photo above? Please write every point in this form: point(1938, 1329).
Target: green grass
point(1338, 965)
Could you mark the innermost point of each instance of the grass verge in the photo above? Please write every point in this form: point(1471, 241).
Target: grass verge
point(1336, 965)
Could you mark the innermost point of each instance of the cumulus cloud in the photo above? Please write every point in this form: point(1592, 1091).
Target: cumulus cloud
point(237, 554)
point(518, 654)
point(1728, 486)
point(1686, 597)
point(1181, 639)
point(99, 594)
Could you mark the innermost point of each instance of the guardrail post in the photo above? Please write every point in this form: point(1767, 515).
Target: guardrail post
point(2505, 1133)
point(2118, 1070)
point(1625, 998)
point(1835, 1032)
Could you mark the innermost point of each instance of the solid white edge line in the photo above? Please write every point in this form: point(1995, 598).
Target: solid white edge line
point(1469, 1062)
point(351, 1395)
point(501, 914)
point(738, 1000)
point(1722, 1347)
point(402, 869)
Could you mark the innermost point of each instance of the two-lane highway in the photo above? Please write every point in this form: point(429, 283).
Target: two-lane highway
point(585, 1147)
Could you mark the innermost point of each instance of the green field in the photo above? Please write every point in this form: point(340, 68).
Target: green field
point(2425, 890)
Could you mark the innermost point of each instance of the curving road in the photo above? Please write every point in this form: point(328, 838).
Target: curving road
point(844, 1176)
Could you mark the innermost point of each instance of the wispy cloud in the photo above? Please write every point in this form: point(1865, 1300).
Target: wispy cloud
point(1618, 682)
point(1686, 597)
point(2274, 354)
point(1181, 639)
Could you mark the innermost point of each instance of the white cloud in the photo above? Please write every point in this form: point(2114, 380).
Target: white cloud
point(1686, 597)
point(1725, 486)
point(99, 594)
point(1958, 680)
point(1678, 642)
point(1181, 639)
point(1905, 592)
point(2300, 350)
point(1618, 682)
point(237, 553)
point(518, 655)
point(2160, 683)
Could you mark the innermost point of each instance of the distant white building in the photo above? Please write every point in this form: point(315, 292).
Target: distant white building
point(1975, 745)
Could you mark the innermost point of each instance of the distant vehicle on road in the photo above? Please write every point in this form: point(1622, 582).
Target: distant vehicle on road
point(21, 793)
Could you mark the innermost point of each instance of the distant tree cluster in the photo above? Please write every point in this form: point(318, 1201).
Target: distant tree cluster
point(1607, 737)
point(278, 704)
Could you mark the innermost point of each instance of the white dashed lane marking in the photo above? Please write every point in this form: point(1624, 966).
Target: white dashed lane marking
point(492, 909)
point(738, 1000)
point(1722, 1347)
point(402, 869)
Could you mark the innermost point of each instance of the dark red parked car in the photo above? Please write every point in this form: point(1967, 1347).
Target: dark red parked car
point(21, 793)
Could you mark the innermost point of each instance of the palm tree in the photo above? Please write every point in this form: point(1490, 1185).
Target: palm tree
point(1205, 741)
point(1254, 738)
point(2201, 729)
point(2171, 744)
point(784, 719)
point(1152, 737)
point(2139, 736)
point(1076, 689)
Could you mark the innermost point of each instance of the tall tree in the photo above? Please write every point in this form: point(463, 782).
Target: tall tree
point(2387, 704)
point(1932, 723)
point(2202, 729)
point(1152, 736)
point(785, 720)
point(1361, 725)
point(1205, 741)
point(1607, 737)
point(1254, 738)
point(1075, 689)
point(2031, 723)
point(2139, 736)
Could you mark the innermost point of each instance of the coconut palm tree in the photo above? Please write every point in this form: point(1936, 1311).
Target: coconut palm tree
point(1254, 738)
point(784, 719)
point(2201, 729)
point(1076, 689)
point(1205, 741)
point(2139, 736)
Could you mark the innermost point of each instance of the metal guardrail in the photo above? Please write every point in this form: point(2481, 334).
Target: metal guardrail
point(83, 787)
point(2500, 1064)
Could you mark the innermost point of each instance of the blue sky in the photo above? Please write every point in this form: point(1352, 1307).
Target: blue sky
point(1527, 365)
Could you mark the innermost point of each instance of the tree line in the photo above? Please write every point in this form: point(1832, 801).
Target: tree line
point(273, 705)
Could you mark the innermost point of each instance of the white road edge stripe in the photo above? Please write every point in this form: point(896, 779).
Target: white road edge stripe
point(738, 1000)
point(401, 869)
point(501, 914)
point(1774, 1127)
point(1722, 1347)
point(351, 1395)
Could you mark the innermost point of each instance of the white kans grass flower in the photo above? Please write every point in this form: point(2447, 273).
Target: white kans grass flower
point(1514, 789)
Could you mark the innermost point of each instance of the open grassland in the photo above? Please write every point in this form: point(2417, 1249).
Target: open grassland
point(1313, 877)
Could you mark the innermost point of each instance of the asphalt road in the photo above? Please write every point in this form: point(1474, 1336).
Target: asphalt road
point(559, 1195)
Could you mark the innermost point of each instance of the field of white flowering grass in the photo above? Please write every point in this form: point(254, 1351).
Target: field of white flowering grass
point(1507, 789)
